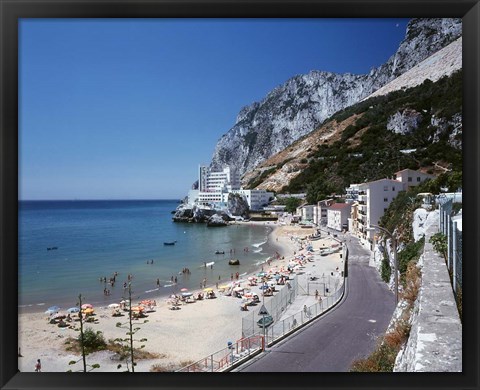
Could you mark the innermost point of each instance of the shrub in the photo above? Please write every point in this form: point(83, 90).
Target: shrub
point(439, 242)
point(386, 270)
point(93, 341)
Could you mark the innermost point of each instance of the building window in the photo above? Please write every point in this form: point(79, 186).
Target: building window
point(418, 179)
point(385, 199)
point(384, 210)
point(393, 189)
point(385, 188)
point(409, 179)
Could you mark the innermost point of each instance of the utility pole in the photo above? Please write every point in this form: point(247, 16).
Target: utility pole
point(395, 262)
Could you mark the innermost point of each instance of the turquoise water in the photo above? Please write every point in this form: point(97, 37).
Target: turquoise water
point(97, 238)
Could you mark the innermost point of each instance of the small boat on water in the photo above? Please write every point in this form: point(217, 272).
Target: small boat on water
point(52, 248)
point(219, 252)
point(169, 243)
point(234, 262)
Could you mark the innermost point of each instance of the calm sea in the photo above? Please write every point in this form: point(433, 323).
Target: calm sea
point(97, 238)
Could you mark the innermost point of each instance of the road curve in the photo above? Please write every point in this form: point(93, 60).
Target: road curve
point(348, 332)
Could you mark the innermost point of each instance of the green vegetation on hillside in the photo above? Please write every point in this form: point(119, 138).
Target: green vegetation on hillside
point(378, 152)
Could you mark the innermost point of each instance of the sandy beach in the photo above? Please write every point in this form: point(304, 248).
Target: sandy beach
point(178, 337)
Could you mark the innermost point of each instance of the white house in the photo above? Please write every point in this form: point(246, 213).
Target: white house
point(412, 178)
point(337, 216)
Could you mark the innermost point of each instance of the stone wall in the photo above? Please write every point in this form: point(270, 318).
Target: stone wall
point(435, 342)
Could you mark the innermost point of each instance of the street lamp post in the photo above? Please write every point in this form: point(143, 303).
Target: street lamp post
point(395, 262)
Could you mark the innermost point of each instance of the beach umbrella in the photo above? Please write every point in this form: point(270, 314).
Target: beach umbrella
point(187, 294)
point(184, 289)
point(59, 315)
point(261, 274)
point(208, 289)
point(238, 288)
point(138, 308)
point(223, 287)
point(52, 309)
point(251, 278)
point(88, 311)
point(87, 306)
point(73, 310)
point(113, 306)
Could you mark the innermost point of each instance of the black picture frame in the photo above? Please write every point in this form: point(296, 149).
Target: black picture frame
point(12, 10)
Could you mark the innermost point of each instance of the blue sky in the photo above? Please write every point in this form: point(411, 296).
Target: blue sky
point(128, 108)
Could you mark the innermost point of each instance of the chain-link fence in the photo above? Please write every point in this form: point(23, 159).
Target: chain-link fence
point(449, 227)
point(275, 307)
point(289, 324)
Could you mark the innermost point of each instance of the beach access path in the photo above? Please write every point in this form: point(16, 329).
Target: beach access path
point(177, 337)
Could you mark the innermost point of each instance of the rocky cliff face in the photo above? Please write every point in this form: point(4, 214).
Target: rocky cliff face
point(297, 107)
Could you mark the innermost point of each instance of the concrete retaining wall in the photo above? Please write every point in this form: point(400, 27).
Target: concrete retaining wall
point(435, 342)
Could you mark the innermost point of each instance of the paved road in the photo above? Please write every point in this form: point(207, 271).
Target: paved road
point(348, 332)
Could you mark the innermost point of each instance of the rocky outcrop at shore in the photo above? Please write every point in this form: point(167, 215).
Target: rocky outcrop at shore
point(201, 215)
point(192, 214)
point(238, 206)
point(217, 220)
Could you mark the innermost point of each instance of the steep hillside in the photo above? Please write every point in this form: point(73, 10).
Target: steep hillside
point(277, 171)
point(417, 128)
point(297, 107)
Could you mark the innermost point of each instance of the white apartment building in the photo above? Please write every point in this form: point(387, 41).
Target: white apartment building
point(412, 178)
point(337, 216)
point(372, 200)
point(320, 212)
point(306, 212)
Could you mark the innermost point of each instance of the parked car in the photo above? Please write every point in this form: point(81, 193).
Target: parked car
point(267, 320)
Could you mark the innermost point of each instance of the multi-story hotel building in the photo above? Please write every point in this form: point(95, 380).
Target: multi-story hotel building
point(215, 186)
